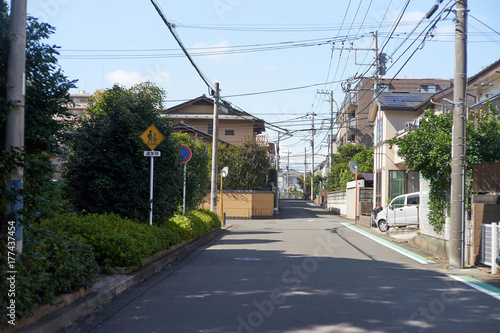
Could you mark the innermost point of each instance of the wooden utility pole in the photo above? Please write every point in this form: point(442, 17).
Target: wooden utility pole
point(215, 138)
point(457, 209)
point(14, 129)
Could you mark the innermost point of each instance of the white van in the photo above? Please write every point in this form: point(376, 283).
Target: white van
point(402, 211)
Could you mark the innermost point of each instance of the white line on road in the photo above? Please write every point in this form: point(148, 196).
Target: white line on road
point(478, 285)
point(394, 247)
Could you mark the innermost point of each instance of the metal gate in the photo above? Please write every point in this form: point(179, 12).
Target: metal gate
point(489, 244)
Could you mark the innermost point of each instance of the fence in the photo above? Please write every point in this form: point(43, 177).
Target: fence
point(490, 239)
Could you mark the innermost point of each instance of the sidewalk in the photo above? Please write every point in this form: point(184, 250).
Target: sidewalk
point(403, 236)
point(108, 287)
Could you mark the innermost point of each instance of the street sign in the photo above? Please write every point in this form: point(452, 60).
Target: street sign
point(152, 153)
point(184, 153)
point(152, 137)
point(225, 171)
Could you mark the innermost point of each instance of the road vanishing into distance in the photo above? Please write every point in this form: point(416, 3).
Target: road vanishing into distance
point(307, 271)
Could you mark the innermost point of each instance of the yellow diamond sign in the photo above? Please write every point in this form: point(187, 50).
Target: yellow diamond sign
point(152, 137)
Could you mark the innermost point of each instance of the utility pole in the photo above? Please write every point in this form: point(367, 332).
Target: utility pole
point(457, 209)
point(330, 137)
point(312, 156)
point(305, 175)
point(14, 129)
point(276, 195)
point(288, 175)
point(375, 61)
point(215, 141)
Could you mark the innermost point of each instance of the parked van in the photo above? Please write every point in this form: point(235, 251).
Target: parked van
point(402, 211)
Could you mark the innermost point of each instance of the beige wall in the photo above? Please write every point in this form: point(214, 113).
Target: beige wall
point(245, 205)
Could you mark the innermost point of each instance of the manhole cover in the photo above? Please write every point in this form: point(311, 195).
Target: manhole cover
point(247, 259)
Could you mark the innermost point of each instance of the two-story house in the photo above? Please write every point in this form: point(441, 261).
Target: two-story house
point(195, 117)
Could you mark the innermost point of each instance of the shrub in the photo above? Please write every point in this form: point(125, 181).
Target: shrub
point(51, 264)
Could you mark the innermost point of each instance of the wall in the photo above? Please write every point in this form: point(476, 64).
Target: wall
point(337, 202)
point(245, 204)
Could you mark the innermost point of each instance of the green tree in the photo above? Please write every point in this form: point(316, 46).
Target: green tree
point(340, 174)
point(317, 179)
point(248, 165)
point(106, 171)
point(428, 150)
point(47, 92)
point(197, 170)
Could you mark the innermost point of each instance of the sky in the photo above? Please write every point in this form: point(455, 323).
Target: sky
point(274, 59)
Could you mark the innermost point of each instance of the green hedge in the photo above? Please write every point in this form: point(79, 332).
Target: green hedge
point(51, 264)
point(121, 242)
point(62, 254)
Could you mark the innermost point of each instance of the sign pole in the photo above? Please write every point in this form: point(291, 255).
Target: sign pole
point(356, 200)
point(151, 192)
point(184, 193)
point(221, 199)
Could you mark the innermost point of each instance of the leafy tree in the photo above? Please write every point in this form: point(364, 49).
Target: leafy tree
point(317, 179)
point(106, 171)
point(340, 174)
point(428, 150)
point(248, 165)
point(47, 92)
point(197, 170)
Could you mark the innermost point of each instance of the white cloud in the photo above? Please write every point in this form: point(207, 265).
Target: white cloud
point(125, 78)
point(129, 78)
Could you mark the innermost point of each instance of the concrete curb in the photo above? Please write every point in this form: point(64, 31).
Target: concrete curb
point(85, 306)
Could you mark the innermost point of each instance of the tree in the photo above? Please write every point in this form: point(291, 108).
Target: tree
point(340, 174)
point(248, 165)
point(106, 170)
point(47, 92)
point(197, 170)
point(317, 179)
point(428, 150)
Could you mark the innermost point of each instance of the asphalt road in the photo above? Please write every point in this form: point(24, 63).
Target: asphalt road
point(304, 272)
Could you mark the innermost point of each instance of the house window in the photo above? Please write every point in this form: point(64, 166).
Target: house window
point(378, 188)
point(384, 88)
point(396, 183)
point(210, 129)
point(229, 132)
point(428, 88)
point(402, 182)
point(379, 131)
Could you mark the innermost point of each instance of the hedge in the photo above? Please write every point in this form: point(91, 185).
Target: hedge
point(63, 254)
point(51, 264)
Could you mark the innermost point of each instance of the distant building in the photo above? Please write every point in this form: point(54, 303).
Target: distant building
point(352, 118)
point(234, 125)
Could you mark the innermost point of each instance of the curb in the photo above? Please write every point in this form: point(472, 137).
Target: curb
point(85, 306)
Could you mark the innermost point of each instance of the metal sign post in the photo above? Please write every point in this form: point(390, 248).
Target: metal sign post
point(223, 174)
point(185, 155)
point(353, 166)
point(152, 137)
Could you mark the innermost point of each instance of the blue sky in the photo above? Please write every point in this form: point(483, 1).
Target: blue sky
point(126, 42)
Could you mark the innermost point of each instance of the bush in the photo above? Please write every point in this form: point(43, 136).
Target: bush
point(121, 242)
point(51, 264)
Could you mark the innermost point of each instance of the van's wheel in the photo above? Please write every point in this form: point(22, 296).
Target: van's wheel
point(382, 225)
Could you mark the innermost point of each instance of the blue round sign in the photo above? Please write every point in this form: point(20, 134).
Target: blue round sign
point(184, 153)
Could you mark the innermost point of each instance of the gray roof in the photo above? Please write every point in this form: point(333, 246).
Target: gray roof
point(402, 100)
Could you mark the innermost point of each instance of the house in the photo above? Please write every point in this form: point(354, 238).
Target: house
point(352, 119)
point(288, 182)
point(392, 113)
point(234, 125)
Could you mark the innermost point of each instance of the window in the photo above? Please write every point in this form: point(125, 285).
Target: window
point(401, 182)
point(413, 200)
point(229, 132)
point(384, 88)
point(210, 129)
point(379, 131)
point(396, 183)
point(378, 188)
point(399, 202)
point(428, 88)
